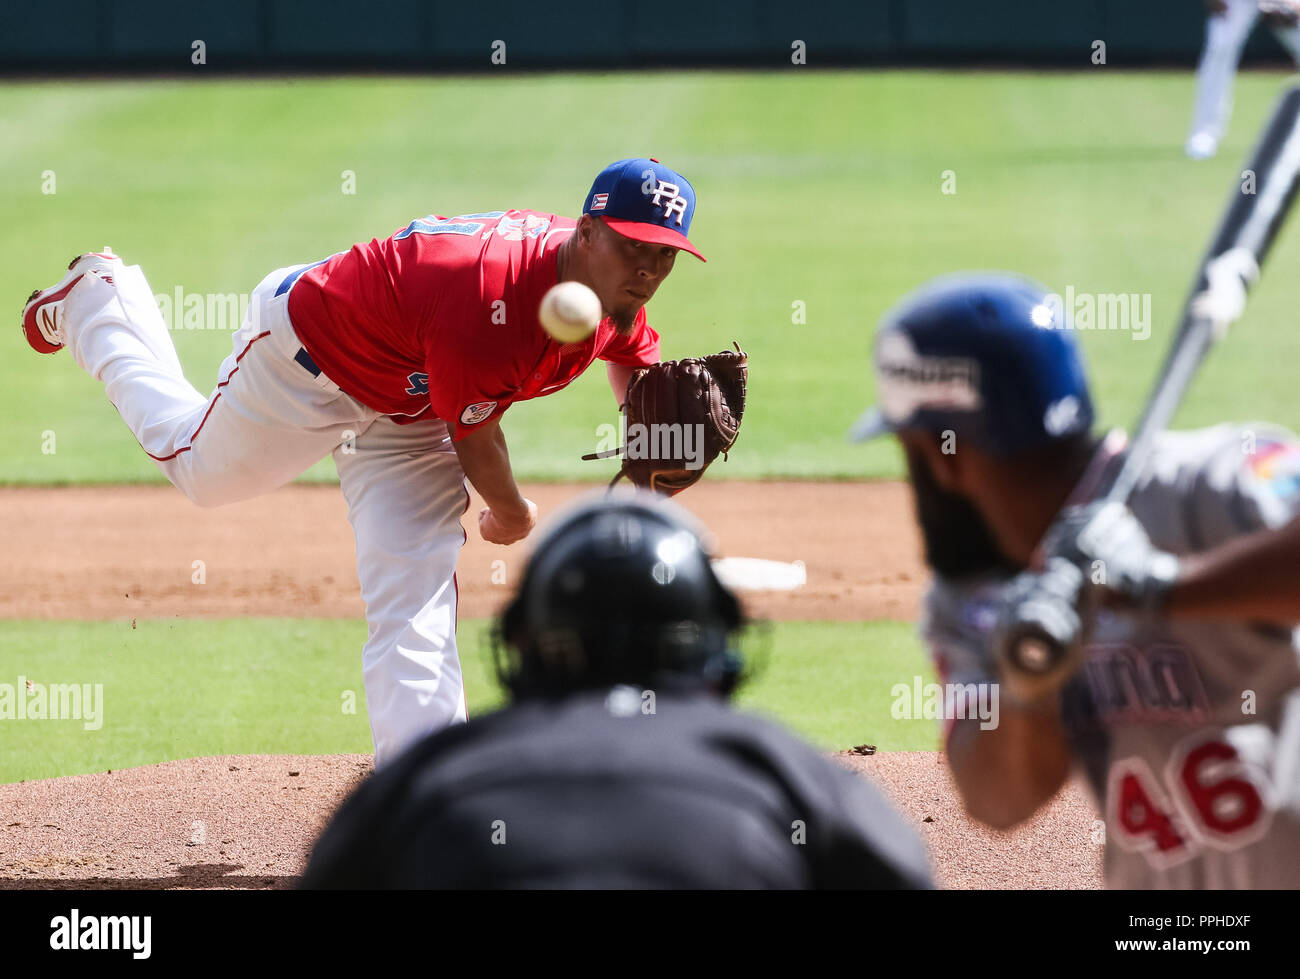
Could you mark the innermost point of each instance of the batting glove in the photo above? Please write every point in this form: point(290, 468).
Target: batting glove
point(1115, 554)
point(1038, 639)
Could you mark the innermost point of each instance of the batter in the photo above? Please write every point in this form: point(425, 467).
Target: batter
point(1182, 710)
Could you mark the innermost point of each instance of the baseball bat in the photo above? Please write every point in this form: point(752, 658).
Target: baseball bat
point(1231, 266)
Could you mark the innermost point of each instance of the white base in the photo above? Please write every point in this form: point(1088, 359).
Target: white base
point(759, 574)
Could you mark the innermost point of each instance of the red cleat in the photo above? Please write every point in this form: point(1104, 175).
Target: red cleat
point(43, 314)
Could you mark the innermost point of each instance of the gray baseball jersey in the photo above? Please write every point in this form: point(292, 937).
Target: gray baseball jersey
point(1187, 732)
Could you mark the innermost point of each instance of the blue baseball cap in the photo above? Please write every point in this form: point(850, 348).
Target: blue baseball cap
point(989, 356)
point(644, 200)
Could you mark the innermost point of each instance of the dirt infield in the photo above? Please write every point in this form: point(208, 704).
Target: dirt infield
point(121, 553)
point(249, 821)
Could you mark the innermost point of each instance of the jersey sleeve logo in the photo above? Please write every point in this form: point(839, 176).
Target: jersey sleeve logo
point(1277, 465)
point(477, 413)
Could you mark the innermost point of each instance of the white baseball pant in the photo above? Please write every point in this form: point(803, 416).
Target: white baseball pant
point(272, 415)
point(1225, 36)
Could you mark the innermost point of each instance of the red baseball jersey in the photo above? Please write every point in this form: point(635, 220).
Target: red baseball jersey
point(443, 315)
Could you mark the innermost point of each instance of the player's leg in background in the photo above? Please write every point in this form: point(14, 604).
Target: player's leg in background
point(1225, 36)
point(267, 420)
point(1289, 38)
point(406, 494)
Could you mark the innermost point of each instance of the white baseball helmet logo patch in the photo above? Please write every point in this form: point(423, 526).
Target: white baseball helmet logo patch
point(1062, 416)
point(477, 413)
point(910, 381)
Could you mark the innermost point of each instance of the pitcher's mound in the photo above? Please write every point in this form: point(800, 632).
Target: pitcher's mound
point(249, 821)
point(242, 821)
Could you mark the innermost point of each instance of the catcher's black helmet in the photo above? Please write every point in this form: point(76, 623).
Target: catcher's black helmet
point(621, 590)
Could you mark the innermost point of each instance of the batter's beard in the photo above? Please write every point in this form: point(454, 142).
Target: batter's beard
point(958, 541)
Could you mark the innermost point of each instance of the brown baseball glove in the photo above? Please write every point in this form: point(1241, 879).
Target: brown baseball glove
point(679, 415)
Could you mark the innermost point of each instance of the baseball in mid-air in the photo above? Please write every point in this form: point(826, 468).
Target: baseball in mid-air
point(569, 312)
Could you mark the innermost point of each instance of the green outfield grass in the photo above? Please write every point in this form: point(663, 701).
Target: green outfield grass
point(176, 688)
point(820, 189)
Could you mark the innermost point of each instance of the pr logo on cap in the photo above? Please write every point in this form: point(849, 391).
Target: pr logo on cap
point(669, 197)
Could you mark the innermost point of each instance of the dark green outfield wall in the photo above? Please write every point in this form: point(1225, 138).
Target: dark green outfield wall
point(97, 35)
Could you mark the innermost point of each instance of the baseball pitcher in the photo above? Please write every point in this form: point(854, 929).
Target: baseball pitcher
point(1181, 707)
point(399, 356)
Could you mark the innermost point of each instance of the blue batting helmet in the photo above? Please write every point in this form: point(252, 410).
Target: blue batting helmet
point(988, 356)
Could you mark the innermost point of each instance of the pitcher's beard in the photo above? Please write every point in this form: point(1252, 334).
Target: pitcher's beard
point(624, 320)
